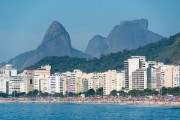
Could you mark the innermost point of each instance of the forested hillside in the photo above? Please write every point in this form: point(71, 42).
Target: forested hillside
point(166, 50)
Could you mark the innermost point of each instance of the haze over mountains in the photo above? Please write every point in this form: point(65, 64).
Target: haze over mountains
point(56, 42)
point(165, 50)
point(127, 35)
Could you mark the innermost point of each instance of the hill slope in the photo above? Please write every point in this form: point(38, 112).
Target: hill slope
point(56, 42)
point(127, 35)
point(97, 46)
point(166, 50)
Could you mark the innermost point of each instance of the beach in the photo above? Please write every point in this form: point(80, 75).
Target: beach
point(92, 100)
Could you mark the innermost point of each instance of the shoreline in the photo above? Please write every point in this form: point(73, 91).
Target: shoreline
point(92, 101)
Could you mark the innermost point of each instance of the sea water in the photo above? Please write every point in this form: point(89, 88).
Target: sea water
point(70, 111)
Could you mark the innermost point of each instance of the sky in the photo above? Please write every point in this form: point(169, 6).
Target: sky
point(23, 23)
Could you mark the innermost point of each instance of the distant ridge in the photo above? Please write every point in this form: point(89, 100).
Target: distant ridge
point(97, 46)
point(165, 50)
point(56, 42)
point(127, 35)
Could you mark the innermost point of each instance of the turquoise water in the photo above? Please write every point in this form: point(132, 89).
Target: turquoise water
point(68, 111)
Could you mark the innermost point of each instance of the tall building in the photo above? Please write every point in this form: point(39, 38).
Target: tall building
point(139, 79)
point(41, 83)
point(43, 73)
point(96, 80)
point(4, 84)
point(8, 70)
point(169, 74)
point(16, 83)
point(74, 81)
point(110, 81)
point(153, 75)
point(131, 65)
point(120, 80)
point(57, 84)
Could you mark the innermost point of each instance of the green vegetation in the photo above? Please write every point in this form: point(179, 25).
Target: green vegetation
point(99, 91)
point(170, 91)
point(145, 92)
point(90, 93)
point(166, 50)
point(4, 95)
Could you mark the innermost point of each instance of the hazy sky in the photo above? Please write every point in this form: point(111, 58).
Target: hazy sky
point(23, 23)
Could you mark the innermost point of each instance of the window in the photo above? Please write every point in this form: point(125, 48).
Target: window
point(30, 81)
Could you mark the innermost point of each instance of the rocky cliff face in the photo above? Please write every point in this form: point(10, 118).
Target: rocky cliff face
point(97, 46)
point(130, 35)
point(56, 42)
point(127, 35)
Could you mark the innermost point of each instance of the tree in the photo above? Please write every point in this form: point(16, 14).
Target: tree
point(4, 95)
point(44, 94)
point(33, 93)
point(113, 93)
point(71, 94)
point(99, 91)
point(136, 92)
point(14, 94)
point(90, 92)
point(122, 93)
point(58, 95)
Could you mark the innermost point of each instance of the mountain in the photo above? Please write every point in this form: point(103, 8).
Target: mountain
point(56, 42)
point(127, 35)
point(97, 46)
point(165, 50)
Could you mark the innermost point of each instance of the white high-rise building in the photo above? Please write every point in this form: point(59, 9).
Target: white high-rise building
point(153, 75)
point(139, 79)
point(57, 84)
point(110, 82)
point(120, 80)
point(131, 65)
point(7, 71)
point(96, 80)
point(16, 84)
point(74, 81)
point(4, 84)
point(41, 83)
point(169, 74)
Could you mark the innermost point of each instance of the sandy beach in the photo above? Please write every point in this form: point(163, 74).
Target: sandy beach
point(90, 101)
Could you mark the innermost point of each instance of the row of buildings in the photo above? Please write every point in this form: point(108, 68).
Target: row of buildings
point(137, 74)
point(141, 74)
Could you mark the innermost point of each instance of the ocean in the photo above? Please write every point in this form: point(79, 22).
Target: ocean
point(71, 111)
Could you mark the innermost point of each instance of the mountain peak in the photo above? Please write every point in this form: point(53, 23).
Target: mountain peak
point(54, 30)
point(140, 22)
point(56, 42)
point(56, 26)
point(97, 46)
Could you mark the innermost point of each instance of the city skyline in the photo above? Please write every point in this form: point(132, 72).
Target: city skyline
point(24, 24)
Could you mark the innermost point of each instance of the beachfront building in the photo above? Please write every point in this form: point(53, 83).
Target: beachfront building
point(177, 81)
point(84, 85)
point(16, 84)
point(139, 79)
point(4, 84)
point(120, 80)
point(110, 82)
point(132, 64)
point(41, 83)
point(57, 84)
point(169, 75)
point(96, 80)
point(36, 77)
point(8, 70)
point(153, 75)
point(74, 81)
